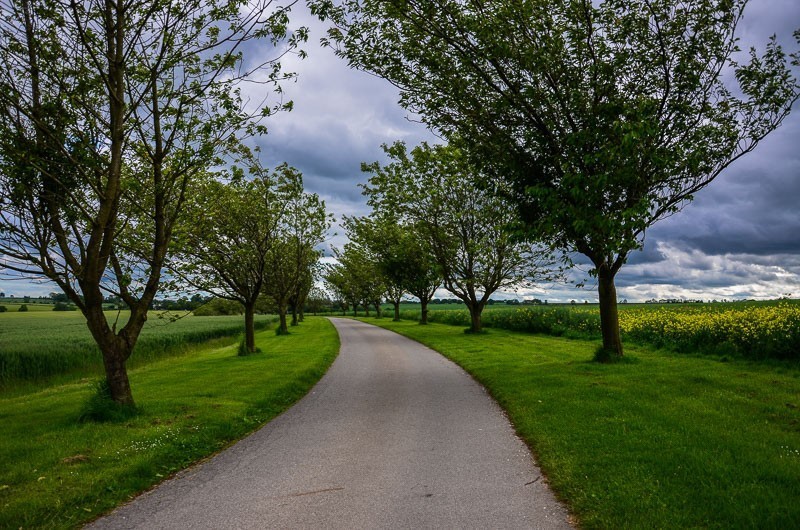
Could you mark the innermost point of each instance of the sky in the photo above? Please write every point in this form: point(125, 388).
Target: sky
point(739, 238)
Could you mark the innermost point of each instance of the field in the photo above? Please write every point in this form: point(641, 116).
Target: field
point(754, 330)
point(662, 440)
point(60, 473)
point(38, 346)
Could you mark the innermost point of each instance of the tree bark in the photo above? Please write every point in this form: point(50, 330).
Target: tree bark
point(396, 311)
point(609, 317)
point(423, 316)
point(283, 329)
point(476, 324)
point(294, 315)
point(117, 375)
point(249, 327)
point(114, 348)
point(378, 313)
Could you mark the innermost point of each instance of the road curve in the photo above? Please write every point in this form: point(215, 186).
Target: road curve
point(393, 436)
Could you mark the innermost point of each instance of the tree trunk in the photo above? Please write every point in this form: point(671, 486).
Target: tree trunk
point(396, 311)
point(115, 350)
point(282, 327)
point(609, 317)
point(476, 325)
point(117, 375)
point(366, 309)
point(423, 315)
point(294, 315)
point(378, 310)
point(249, 327)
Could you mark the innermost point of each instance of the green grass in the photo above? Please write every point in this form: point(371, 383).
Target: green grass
point(59, 473)
point(659, 441)
point(43, 347)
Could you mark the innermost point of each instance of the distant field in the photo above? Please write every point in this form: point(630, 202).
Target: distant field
point(37, 345)
point(755, 330)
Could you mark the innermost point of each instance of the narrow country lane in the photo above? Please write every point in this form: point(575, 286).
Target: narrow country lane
point(394, 436)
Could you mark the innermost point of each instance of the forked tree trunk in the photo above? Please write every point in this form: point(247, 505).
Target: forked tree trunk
point(116, 351)
point(249, 327)
point(609, 316)
point(378, 313)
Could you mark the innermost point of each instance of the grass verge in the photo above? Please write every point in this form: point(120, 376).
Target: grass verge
point(659, 440)
point(60, 473)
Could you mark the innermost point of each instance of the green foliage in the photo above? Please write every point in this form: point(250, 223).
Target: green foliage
point(101, 408)
point(660, 441)
point(23, 308)
point(466, 225)
point(3, 309)
point(190, 408)
point(62, 306)
point(218, 307)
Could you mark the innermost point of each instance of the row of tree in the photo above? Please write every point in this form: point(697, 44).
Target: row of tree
point(250, 237)
point(593, 119)
point(434, 223)
point(112, 115)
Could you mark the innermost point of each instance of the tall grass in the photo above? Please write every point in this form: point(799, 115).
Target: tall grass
point(749, 330)
point(39, 345)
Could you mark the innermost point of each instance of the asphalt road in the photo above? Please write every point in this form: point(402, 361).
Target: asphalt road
point(394, 436)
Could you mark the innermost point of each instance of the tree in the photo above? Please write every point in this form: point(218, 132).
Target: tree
point(294, 255)
point(109, 110)
point(401, 255)
point(342, 286)
point(437, 190)
point(358, 277)
point(225, 248)
point(604, 117)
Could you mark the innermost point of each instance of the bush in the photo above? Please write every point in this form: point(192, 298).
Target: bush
point(3, 309)
point(61, 306)
point(101, 408)
point(22, 308)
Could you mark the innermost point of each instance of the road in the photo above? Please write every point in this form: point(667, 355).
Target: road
point(393, 436)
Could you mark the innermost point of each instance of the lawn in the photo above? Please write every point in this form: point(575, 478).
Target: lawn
point(60, 473)
point(661, 440)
